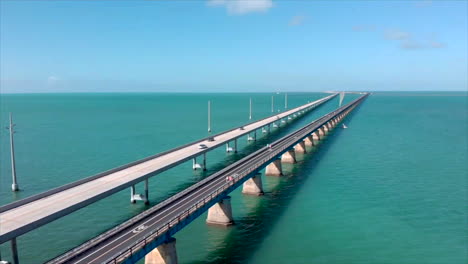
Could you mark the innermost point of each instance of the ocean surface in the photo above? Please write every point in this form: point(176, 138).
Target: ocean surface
point(392, 188)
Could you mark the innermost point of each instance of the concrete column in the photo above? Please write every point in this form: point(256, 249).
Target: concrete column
point(325, 128)
point(253, 186)
point(274, 168)
point(146, 191)
point(132, 194)
point(204, 161)
point(289, 157)
point(316, 136)
point(235, 145)
point(309, 141)
point(330, 126)
point(164, 254)
point(254, 138)
point(14, 251)
point(321, 132)
point(221, 213)
point(300, 147)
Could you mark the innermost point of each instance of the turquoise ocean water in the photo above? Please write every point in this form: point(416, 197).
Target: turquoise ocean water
point(392, 188)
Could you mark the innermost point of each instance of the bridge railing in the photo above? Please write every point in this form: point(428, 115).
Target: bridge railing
point(237, 177)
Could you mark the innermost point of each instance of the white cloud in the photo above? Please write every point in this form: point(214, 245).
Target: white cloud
point(240, 7)
point(410, 44)
point(437, 44)
point(395, 34)
point(51, 80)
point(297, 20)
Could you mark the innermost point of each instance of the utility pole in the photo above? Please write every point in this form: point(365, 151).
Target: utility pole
point(14, 185)
point(209, 116)
point(285, 101)
point(272, 104)
point(250, 115)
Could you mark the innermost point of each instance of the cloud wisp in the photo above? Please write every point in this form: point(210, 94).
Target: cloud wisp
point(297, 20)
point(405, 39)
point(241, 7)
point(395, 34)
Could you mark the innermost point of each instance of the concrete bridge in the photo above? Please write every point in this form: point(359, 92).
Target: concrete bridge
point(149, 234)
point(20, 217)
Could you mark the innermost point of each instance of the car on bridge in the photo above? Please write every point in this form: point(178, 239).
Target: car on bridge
point(202, 146)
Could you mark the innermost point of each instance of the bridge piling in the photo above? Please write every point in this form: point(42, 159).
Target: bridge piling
point(196, 166)
point(274, 168)
point(164, 254)
point(132, 194)
point(300, 147)
point(254, 138)
point(325, 129)
point(289, 157)
point(253, 186)
point(204, 161)
point(139, 197)
point(316, 136)
point(14, 251)
point(220, 213)
point(146, 198)
point(321, 132)
point(309, 141)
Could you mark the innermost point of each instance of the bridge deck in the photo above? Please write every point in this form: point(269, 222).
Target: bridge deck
point(23, 218)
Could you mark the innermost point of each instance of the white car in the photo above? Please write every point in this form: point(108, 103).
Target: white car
point(202, 146)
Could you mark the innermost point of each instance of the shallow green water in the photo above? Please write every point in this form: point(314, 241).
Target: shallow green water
point(389, 189)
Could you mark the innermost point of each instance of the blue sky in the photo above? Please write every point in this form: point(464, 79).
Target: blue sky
point(232, 45)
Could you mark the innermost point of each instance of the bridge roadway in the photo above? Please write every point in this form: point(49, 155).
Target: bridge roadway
point(133, 239)
point(25, 215)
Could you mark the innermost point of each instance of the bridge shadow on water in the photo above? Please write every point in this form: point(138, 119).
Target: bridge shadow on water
point(243, 239)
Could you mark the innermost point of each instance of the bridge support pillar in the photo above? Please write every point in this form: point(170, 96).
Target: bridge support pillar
point(204, 161)
point(329, 125)
point(164, 254)
point(252, 138)
point(309, 141)
point(139, 197)
point(300, 147)
point(196, 166)
point(321, 132)
point(325, 129)
point(14, 251)
point(316, 136)
point(274, 168)
point(228, 148)
point(253, 186)
point(235, 145)
point(221, 213)
point(289, 156)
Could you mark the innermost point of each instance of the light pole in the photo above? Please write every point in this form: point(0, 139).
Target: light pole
point(14, 185)
point(250, 114)
point(209, 116)
point(272, 103)
point(285, 101)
